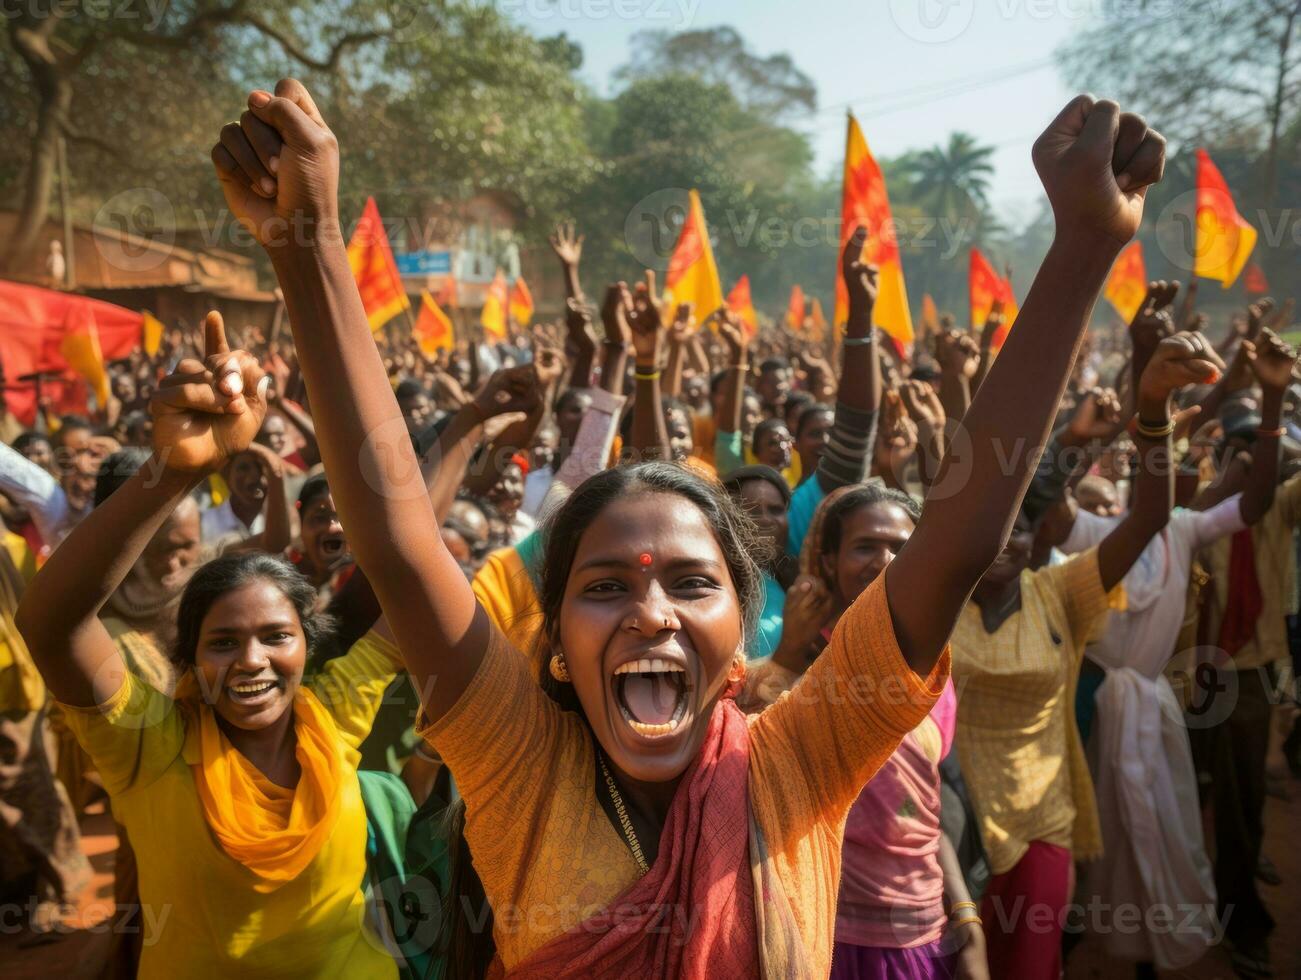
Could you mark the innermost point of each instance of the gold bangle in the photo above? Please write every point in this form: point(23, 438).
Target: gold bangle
point(1155, 431)
point(653, 376)
point(968, 919)
point(962, 905)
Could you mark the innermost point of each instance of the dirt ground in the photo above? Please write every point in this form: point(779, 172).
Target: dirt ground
point(81, 952)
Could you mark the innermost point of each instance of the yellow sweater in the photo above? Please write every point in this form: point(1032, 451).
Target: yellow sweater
point(548, 856)
point(203, 918)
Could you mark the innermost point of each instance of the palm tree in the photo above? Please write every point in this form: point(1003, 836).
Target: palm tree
point(953, 180)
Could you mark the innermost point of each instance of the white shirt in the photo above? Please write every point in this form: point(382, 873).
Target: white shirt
point(1143, 770)
point(39, 493)
point(223, 522)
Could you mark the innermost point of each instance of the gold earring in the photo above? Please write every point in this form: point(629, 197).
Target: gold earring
point(559, 670)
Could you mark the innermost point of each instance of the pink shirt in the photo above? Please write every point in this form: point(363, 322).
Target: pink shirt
point(891, 884)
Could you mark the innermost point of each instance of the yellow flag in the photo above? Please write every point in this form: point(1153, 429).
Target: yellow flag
point(693, 274)
point(153, 333)
point(493, 315)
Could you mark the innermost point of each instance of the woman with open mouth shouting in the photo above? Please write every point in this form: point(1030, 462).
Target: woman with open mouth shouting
point(240, 794)
point(652, 830)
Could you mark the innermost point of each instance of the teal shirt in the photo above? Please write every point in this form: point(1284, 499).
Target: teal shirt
point(769, 632)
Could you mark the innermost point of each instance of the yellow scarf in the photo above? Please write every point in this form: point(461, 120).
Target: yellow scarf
point(273, 831)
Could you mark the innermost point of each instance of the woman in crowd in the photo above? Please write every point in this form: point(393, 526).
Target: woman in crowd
point(645, 596)
point(241, 791)
point(1017, 651)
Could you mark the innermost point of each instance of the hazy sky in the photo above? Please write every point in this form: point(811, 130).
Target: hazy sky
point(912, 70)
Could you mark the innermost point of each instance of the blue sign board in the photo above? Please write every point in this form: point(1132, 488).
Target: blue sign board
point(424, 263)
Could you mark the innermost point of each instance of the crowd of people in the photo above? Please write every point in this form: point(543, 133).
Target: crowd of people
point(664, 648)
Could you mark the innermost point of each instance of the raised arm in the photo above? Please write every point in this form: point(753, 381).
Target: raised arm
point(617, 342)
point(203, 414)
point(1178, 361)
point(1096, 165)
point(301, 421)
point(853, 431)
point(650, 438)
point(1272, 362)
point(374, 475)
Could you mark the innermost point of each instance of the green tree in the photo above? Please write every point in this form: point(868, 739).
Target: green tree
point(1208, 71)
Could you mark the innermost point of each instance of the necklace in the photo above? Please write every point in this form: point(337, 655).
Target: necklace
point(629, 834)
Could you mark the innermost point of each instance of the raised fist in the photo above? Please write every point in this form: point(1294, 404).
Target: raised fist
point(208, 411)
point(1096, 164)
point(279, 169)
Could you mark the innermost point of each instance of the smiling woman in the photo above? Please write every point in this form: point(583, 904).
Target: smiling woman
point(245, 781)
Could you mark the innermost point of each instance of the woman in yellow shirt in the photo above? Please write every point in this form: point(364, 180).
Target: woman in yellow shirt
point(240, 796)
point(649, 830)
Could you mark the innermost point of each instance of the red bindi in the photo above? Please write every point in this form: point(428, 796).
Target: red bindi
point(645, 558)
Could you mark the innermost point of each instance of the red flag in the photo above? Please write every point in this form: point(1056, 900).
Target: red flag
point(817, 322)
point(433, 330)
point(46, 330)
point(740, 303)
point(1254, 280)
point(795, 309)
point(985, 286)
point(521, 302)
point(371, 259)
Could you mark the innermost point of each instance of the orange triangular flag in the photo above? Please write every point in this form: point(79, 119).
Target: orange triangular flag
point(740, 303)
point(817, 322)
point(864, 202)
point(371, 259)
point(1224, 240)
point(493, 315)
point(433, 330)
point(1127, 284)
point(930, 315)
point(795, 309)
point(521, 302)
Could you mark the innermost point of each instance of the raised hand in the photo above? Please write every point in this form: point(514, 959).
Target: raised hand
point(860, 283)
point(514, 389)
point(993, 323)
point(1154, 320)
point(1182, 360)
point(1257, 313)
point(641, 316)
point(923, 404)
point(683, 326)
point(279, 168)
point(1097, 416)
point(1096, 164)
point(578, 323)
point(730, 329)
point(806, 611)
point(616, 327)
point(1272, 360)
point(207, 411)
point(958, 354)
point(567, 246)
